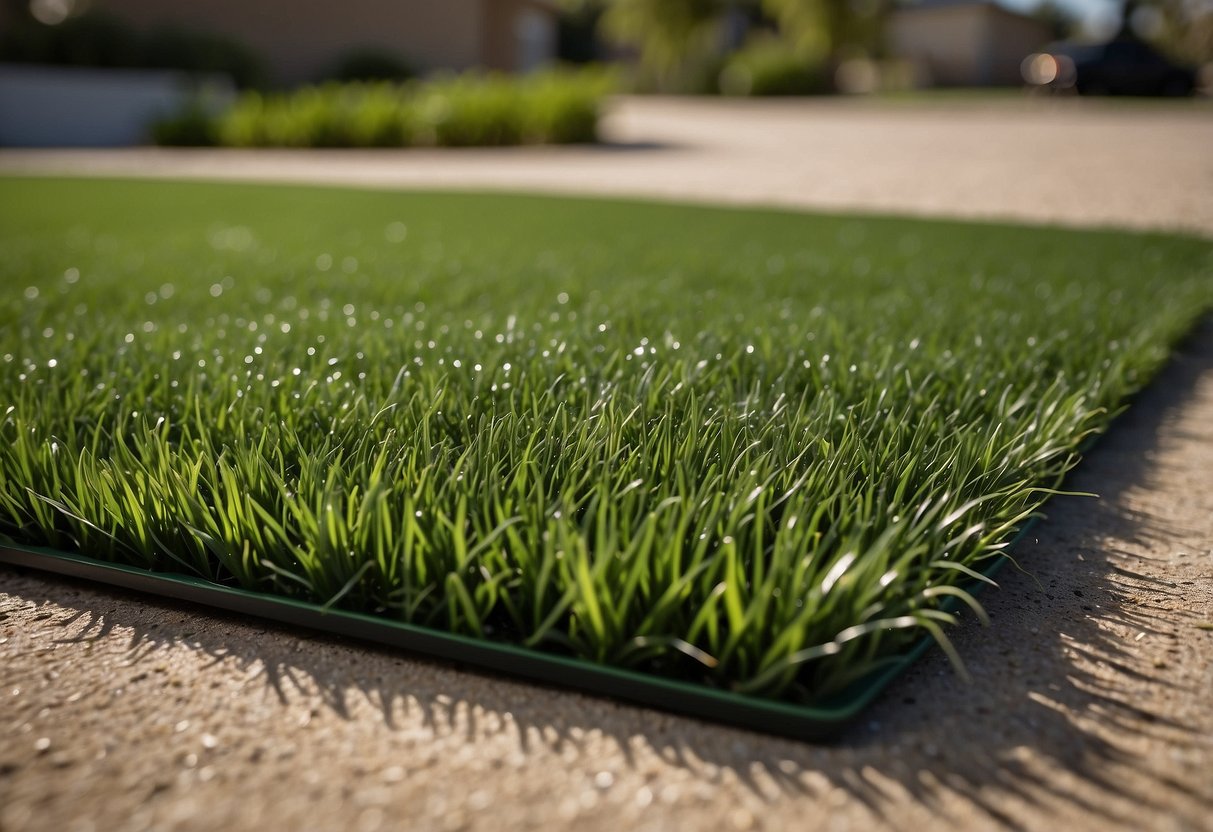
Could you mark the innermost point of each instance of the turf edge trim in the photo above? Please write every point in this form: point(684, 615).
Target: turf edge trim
point(682, 698)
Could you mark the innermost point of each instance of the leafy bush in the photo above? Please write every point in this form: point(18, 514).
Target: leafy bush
point(353, 115)
point(772, 67)
point(562, 113)
point(557, 107)
point(192, 127)
point(469, 111)
point(370, 65)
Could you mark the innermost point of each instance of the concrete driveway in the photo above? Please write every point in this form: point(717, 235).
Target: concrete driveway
point(1093, 701)
point(1135, 164)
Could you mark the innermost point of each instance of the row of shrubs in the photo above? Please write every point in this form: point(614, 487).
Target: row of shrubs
point(473, 109)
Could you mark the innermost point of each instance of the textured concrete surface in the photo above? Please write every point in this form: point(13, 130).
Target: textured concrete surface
point(1139, 164)
point(1092, 706)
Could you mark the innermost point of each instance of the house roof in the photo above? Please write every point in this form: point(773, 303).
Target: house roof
point(911, 6)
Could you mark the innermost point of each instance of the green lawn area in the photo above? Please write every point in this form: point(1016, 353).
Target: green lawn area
point(754, 449)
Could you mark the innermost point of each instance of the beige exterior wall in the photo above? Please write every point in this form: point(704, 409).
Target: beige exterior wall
point(300, 39)
point(965, 44)
point(943, 41)
point(513, 31)
point(1011, 39)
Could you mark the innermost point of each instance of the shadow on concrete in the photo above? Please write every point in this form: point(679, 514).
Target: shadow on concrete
point(635, 146)
point(1054, 675)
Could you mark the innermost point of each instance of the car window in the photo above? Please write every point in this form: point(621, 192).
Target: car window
point(1081, 53)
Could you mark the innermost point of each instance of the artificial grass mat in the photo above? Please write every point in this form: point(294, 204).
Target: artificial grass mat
point(755, 450)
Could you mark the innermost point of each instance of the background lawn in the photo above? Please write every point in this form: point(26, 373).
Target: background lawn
point(751, 448)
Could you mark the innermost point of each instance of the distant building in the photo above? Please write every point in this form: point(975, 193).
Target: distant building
point(299, 40)
point(964, 42)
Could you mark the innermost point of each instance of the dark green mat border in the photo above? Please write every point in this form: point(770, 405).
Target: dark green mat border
point(683, 698)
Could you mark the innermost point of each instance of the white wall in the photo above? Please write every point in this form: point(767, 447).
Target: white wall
point(43, 106)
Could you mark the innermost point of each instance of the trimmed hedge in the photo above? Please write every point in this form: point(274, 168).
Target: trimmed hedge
point(473, 109)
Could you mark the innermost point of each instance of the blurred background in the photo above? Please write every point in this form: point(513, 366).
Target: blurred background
point(120, 72)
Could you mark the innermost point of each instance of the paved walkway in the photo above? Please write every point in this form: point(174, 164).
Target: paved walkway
point(1141, 164)
point(1093, 705)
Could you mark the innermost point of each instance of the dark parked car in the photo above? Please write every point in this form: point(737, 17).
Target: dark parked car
point(1125, 66)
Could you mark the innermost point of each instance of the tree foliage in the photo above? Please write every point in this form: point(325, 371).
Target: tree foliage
point(675, 39)
point(669, 35)
point(1182, 28)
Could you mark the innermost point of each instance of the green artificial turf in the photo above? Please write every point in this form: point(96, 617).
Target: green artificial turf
point(754, 449)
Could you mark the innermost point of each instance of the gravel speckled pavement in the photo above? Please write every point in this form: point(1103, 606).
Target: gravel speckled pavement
point(1092, 705)
point(1078, 162)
